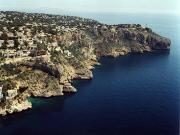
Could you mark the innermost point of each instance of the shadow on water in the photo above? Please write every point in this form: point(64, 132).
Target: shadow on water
point(133, 60)
point(81, 83)
point(40, 106)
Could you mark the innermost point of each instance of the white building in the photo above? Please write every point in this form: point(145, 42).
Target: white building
point(67, 53)
point(10, 43)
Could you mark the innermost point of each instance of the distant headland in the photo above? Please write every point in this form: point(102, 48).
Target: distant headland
point(40, 54)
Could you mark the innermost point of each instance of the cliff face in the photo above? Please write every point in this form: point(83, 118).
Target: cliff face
point(130, 38)
point(57, 50)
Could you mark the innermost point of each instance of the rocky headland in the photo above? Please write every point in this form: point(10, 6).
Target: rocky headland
point(40, 54)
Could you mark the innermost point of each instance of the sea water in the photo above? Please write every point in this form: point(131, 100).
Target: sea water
point(137, 94)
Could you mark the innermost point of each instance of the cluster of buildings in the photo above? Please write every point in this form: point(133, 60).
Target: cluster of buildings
point(31, 37)
point(39, 34)
point(23, 43)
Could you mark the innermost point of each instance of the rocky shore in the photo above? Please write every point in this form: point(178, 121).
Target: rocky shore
point(49, 51)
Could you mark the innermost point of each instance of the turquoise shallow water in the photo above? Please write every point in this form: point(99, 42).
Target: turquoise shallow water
point(136, 94)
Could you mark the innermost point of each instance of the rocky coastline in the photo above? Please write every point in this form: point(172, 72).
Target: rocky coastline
point(58, 49)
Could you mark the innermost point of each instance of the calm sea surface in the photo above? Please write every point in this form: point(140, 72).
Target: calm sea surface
point(132, 95)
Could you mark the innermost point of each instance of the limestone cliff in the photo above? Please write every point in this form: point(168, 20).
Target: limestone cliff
point(41, 54)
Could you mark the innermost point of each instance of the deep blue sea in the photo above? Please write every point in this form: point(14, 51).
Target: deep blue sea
point(137, 94)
